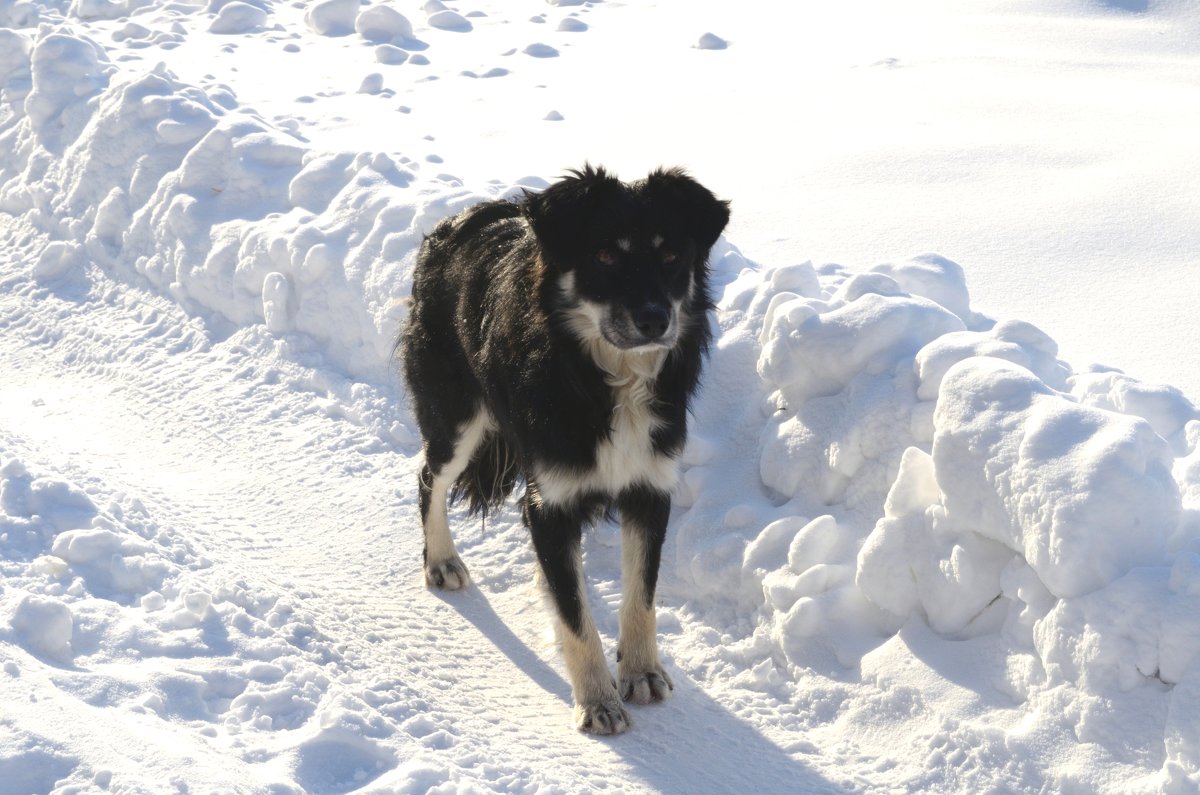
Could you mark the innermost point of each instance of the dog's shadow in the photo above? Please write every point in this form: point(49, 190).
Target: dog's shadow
point(473, 605)
point(690, 743)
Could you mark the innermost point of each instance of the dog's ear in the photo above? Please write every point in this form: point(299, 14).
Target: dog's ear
point(702, 215)
point(562, 214)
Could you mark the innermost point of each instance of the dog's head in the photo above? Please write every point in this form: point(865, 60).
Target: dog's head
point(627, 258)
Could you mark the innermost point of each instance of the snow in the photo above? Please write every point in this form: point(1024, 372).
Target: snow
point(921, 540)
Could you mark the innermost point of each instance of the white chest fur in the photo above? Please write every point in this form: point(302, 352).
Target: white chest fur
point(627, 456)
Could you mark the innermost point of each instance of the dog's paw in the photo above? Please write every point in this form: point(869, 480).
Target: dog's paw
point(646, 687)
point(602, 717)
point(447, 575)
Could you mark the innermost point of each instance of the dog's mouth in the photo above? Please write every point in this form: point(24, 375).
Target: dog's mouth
point(640, 331)
point(653, 328)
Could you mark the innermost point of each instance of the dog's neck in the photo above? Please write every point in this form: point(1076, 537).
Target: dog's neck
point(630, 374)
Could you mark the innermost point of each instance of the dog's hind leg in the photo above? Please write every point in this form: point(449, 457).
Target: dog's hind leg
point(443, 464)
point(640, 675)
point(556, 535)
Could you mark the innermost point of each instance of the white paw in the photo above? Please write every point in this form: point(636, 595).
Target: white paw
point(447, 575)
point(645, 687)
point(602, 717)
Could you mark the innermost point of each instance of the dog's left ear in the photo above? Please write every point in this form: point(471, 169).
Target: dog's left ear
point(563, 213)
point(702, 214)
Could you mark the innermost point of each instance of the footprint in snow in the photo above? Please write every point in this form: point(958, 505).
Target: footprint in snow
point(572, 25)
point(390, 54)
point(371, 84)
point(539, 50)
point(495, 72)
point(443, 18)
point(238, 18)
point(383, 25)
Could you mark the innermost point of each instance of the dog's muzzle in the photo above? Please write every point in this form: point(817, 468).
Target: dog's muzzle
point(651, 321)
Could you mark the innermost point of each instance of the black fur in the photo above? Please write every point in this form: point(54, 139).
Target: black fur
point(493, 329)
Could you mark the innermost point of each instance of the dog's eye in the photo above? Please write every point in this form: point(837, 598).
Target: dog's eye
point(605, 257)
point(668, 257)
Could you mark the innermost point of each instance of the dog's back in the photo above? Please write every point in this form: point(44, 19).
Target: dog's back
point(457, 268)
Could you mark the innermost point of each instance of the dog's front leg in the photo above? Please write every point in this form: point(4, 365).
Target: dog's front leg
point(644, 514)
point(556, 535)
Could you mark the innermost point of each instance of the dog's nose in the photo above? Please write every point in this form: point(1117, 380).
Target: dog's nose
point(652, 320)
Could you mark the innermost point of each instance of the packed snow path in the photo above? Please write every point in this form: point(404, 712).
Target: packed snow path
point(277, 486)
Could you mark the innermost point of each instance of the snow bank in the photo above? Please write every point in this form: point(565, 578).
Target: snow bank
point(237, 221)
point(925, 463)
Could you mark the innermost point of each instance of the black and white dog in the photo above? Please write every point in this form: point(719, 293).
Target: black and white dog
point(557, 340)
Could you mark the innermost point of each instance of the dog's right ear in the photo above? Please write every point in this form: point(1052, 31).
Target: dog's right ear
point(562, 214)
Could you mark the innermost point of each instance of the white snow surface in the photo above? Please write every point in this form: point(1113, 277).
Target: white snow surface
point(914, 547)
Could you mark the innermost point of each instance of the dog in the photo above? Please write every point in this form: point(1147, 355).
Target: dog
point(556, 340)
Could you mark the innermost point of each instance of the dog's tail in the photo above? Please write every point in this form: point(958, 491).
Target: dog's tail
point(489, 478)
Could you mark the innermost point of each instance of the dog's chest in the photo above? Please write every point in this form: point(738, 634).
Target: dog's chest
point(626, 456)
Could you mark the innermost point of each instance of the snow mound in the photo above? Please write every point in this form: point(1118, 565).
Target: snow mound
point(239, 18)
point(383, 24)
point(333, 17)
point(926, 464)
point(233, 218)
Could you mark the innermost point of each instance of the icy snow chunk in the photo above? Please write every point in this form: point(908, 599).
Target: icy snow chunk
point(66, 70)
point(86, 546)
point(799, 278)
point(238, 17)
point(14, 54)
point(44, 626)
point(861, 284)
point(1144, 625)
point(390, 54)
point(57, 259)
point(371, 84)
point(322, 176)
point(1187, 468)
point(1012, 340)
point(1083, 494)
point(444, 19)
point(934, 277)
point(808, 354)
point(539, 50)
point(768, 551)
point(572, 25)
point(915, 488)
point(276, 297)
point(57, 503)
point(333, 17)
point(914, 558)
point(711, 41)
point(383, 25)
point(98, 9)
point(1164, 407)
